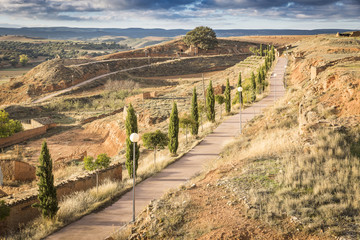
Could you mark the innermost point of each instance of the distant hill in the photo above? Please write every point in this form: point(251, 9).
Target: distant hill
point(65, 33)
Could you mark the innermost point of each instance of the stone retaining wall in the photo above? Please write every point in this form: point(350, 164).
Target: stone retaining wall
point(21, 211)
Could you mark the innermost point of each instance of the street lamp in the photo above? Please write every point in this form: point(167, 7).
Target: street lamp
point(134, 137)
point(239, 89)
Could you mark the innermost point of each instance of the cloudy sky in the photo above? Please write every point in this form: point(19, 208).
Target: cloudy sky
point(170, 14)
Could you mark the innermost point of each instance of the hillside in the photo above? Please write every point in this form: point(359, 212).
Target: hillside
point(293, 174)
point(57, 74)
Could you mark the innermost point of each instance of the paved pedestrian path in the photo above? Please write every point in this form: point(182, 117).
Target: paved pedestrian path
point(101, 224)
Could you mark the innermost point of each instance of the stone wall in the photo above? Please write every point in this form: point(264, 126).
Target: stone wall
point(17, 170)
point(21, 211)
point(22, 136)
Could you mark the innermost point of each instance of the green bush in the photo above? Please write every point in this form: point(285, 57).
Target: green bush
point(8, 126)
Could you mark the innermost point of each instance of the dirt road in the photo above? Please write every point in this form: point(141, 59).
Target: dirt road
point(103, 223)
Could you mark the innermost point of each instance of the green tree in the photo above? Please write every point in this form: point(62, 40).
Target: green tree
point(220, 100)
point(23, 59)
point(201, 37)
point(241, 100)
point(4, 210)
point(273, 52)
point(186, 122)
point(253, 87)
point(201, 108)
point(8, 126)
point(131, 127)
point(210, 103)
point(102, 161)
point(261, 50)
point(155, 140)
point(48, 203)
point(194, 114)
point(227, 97)
point(259, 84)
point(174, 130)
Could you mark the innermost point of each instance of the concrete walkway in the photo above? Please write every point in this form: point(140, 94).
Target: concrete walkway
point(102, 224)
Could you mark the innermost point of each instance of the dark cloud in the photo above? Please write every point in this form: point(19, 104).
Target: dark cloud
point(178, 9)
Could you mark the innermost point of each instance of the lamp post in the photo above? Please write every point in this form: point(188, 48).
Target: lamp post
point(134, 137)
point(239, 89)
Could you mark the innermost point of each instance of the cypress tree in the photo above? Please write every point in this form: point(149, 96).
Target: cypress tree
point(227, 97)
point(263, 78)
point(259, 82)
point(194, 113)
point(266, 65)
point(253, 87)
point(174, 130)
point(240, 85)
point(210, 103)
point(273, 52)
point(131, 127)
point(261, 50)
point(47, 193)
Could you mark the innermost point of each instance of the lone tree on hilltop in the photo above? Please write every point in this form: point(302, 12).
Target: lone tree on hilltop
point(220, 100)
point(102, 161)
point(194, 114)
point(47, 193)
point(155, 140)
point(227, 98)
point(201, 37)
point(131, 127)
point(174, 130)
point(210, 103)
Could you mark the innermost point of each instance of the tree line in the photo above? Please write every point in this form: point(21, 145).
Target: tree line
point(11, 51)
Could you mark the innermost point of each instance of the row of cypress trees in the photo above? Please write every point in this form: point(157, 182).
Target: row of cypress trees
point(47, 193)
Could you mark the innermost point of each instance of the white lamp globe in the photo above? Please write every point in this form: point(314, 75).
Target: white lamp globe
point(239, 89)
point(134, 137)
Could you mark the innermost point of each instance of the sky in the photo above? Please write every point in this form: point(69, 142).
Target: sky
point(185, 14)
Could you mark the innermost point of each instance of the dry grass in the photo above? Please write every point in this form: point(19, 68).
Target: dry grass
point(71, 208)
point(315, 180)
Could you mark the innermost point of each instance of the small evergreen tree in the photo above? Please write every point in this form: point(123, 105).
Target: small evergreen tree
point(4, 210)
point(262, 74)
point(48, 203)
point(174, 130)
point(227, 98)
point(273, 52)
point(261, 50)
point(155, 140)
point(210, 103)
point(102, 161)
point(266, 65)
point(259, 85)
point(241, 101)
point(201, 108)
point(194, 114)
point(220, 100)
point(253, 87)
point(185, 123)
point(131, 127)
